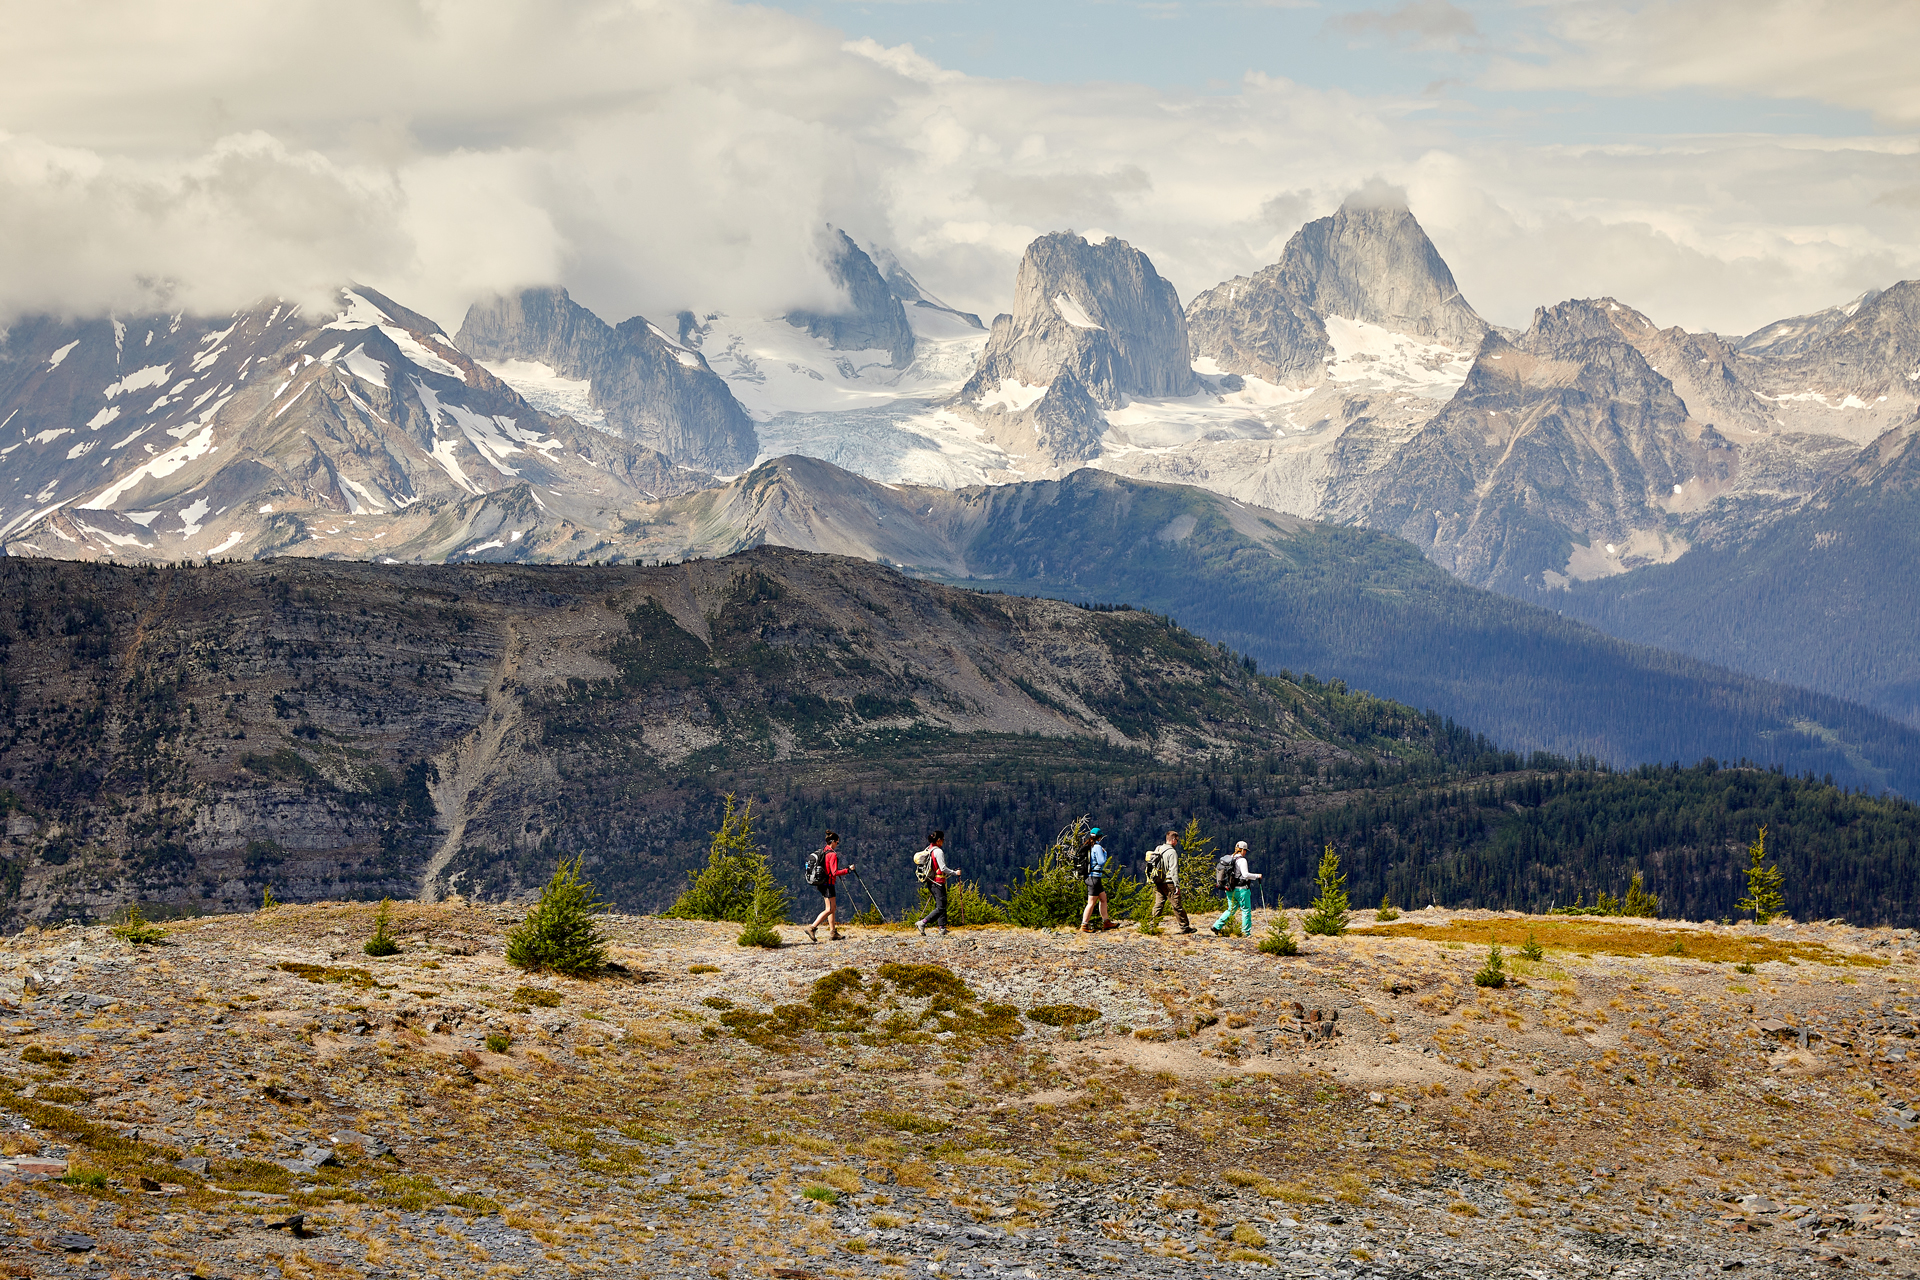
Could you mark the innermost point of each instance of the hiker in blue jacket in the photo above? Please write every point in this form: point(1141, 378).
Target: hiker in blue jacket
point(1096, 884)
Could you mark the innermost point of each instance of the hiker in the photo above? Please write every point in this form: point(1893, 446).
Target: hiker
point(823, 873)
point(1232, 875)
point(1096, 865)
point(930, 865)
point(1163, 869)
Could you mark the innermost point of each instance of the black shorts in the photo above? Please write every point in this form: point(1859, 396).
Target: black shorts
point(1095, 885)
point(827, 890)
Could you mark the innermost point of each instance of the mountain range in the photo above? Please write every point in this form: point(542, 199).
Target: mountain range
point(1746, 500)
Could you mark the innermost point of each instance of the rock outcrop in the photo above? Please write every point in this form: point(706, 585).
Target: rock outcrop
point(873, 320)
point(1097, 311)
point(1367, 262)
point(1557, 458)
point(646, 385)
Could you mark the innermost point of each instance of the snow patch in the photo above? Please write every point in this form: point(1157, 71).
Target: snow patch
point(53, 361)
point(1073, 313)
point(1377, 356)
point(266, 509)
point(161, 466)
point(365, 367)
point(141, 518)
point(81, 450)
point(151, 376)
point(485, 546)
point(542, 386)
point(414, 350)
point(684, 354)
point(359, 314)
point(103, 417)
point(228, 541)
point(192, 514)
point(1012, 395)
point(48, 437)
point(360, 499)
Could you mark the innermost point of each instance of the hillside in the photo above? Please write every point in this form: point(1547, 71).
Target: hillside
point(188, 737)
point(1342, 603)
point(1825, 598)
point(255, 1096)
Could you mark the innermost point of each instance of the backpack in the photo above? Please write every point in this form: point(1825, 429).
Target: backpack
point(1083, 859)
point(923, 866)
point(817, 868)
point(1156, 864)
point(1225, 874)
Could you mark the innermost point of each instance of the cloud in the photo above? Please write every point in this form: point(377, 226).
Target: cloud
point(659, 155)
point(1376, 193)
point(1423, 24)
point(1856, 54)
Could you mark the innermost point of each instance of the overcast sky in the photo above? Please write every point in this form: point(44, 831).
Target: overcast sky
point(1716, 163)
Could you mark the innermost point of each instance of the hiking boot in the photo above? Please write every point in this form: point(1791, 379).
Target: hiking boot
point(943, 931)
point(1110, 924)
point(1187, 928)
point(836, 937)
point(921, 925)
point(813, 933)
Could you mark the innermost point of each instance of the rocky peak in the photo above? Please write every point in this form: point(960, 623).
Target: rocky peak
point(1097, 311)
point(1369, 262)
point(643, 384)
point(911, 293)
point(873, 320)
point(1794, 335)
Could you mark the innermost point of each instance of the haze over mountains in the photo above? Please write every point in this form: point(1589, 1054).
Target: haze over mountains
point(1748, 500)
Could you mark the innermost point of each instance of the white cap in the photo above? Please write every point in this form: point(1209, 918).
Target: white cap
point(1241, 845)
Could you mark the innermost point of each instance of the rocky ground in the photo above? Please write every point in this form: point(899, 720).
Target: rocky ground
point(254, 1096)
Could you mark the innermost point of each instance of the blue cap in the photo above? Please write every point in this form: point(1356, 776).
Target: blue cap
point(1094, 831)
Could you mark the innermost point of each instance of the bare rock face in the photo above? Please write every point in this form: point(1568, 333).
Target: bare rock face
point(1099, 312)
point(646, 385)
point(874, 319)
point(1557, 458)
point(1366, 262)
point(1852, 371)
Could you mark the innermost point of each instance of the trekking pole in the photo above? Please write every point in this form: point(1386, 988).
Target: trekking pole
point(876, 905)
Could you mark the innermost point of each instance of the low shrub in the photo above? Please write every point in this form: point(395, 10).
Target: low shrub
point(1280, 940)
point(137, 931)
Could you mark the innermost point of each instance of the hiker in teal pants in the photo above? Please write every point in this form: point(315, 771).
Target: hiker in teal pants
point(1239, 894)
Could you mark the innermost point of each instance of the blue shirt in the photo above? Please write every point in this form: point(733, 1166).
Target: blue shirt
point(1098, 856)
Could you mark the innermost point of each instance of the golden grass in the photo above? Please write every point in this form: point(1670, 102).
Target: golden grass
point(1586, 935)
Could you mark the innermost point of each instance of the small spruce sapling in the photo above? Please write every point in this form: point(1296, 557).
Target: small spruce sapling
point(267, 900)
point(1763, 898)
point(1494, 972)
point(1280, 940)
point(382, 943)
point(1387, 913)
point(561, 933)
point(1531, 949)
point(769, 905)
point(724, 888)
point(1330, 906)
point(1639, 902)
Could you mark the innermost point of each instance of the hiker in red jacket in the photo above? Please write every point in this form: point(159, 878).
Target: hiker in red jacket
point(830, 873)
